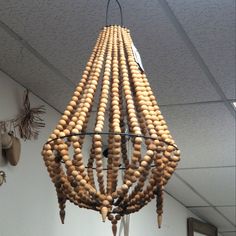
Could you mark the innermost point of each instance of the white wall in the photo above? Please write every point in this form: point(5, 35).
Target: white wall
point(28, 204)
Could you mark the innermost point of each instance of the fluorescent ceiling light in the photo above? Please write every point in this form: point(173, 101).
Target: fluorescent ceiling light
point(234, 105)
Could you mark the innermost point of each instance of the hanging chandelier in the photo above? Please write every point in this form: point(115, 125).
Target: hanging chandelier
point(141, 154)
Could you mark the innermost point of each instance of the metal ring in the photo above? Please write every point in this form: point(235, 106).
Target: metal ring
point(111, 133)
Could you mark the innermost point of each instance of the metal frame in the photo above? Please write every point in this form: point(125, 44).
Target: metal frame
point(194, 225)
point(110, 133)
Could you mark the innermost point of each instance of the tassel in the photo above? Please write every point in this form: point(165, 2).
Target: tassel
point(159, 220)
point(104, 212)
point(62, 216)
point(114, 229)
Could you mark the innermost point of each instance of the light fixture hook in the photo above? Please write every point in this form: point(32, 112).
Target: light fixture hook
point(121, 13)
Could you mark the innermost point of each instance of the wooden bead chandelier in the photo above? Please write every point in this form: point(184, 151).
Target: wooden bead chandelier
point(141, 153)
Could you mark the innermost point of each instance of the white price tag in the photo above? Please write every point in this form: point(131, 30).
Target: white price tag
point(137, 57)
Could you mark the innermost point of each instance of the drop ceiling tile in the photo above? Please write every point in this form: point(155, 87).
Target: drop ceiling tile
point(29, 71)
point(64, 33)
point(229, 233)
point(211, 216)
point(183, 193)
point(217, 185)
point(210, 25)
point(229, 212)
point(205, 134)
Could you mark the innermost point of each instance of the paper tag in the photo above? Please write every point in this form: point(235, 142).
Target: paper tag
point(137, 57)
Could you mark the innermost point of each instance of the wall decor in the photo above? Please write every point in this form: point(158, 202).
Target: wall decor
point(27, 123)
point(2, 177)
point(127, 111)
point(196, 226)
point(11, 147)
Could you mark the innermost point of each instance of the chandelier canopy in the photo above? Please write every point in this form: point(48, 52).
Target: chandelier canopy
point(141, 153)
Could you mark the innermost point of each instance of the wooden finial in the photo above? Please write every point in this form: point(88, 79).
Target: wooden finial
point(159, 220)
point(114, 229)
point(62, 216)
point(104, 212)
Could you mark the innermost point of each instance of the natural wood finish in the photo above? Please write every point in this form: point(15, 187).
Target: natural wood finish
point(126, 97)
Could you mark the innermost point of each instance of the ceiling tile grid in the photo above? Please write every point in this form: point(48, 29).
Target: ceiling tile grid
point(210, 25)
point(205, 133)
point(232, 233)
point(183, 193)
point(217, 185)
point(62, 33)
point(29, 71)
point(212, 216)
point(229, 212)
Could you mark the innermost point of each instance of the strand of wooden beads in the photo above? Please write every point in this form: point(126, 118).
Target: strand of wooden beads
point(53, 166)
point(161, 159)
point(102, 105)
point(157, 126)
point(171, 165)
point(74, 104)
point(165, 135)
point(49, 159)
point(67, 189)
point(115, 111)
point(122, 107)
point(101, 109)
point(97, 139)
point(143, 169)
point(144, 102)
point(84, 108)
point(131, 114)
point(110, 139)
point(110, 153)
point(63, 128)
point(98, 65)
point(133, 120)
point(153, 182)
point(89, 90)
point(71, 178)
point(163, 167)
point(90, 167)
point(111, 130)
point(110, 115)
point(150, 188)
point(121, 191)
point(141, 96)
point(78, 160)
point(79, 174)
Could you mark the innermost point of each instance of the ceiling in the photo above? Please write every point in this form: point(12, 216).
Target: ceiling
point(188, 52)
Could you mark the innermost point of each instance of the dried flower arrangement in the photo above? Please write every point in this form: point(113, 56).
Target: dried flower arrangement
point(29, 121)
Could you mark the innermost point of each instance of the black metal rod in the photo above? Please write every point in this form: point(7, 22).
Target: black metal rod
point(110, 133)
point(120, 8)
